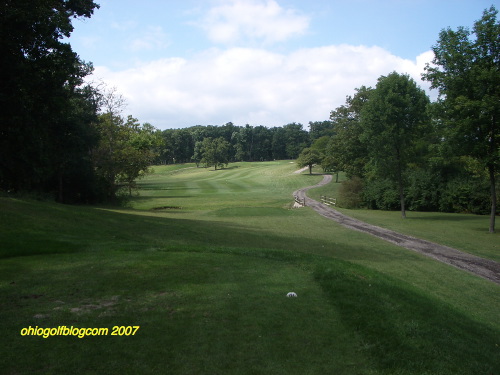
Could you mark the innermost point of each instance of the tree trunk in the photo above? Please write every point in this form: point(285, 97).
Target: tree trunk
point(60, 192)
point(310, 169)
point(402, 199)
point(491, 169)
point(401, 193)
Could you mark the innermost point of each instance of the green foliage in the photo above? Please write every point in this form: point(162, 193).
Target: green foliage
point(465, 71)
point(381, 194)
point(425, 190)
point(394, 120)
point(467, 195)
point(125, 151)
point(198, 153)
point(215, 152)
point(345, 149)
point(329, 164)
point(46, 118)
point(308, 157)
point(319, 129)
point(248, 143)
point(350, 193)
point(296, 139)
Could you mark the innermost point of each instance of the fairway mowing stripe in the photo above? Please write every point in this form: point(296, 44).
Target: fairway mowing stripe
point(235, 188)
point(251, 183)
point(207, 187)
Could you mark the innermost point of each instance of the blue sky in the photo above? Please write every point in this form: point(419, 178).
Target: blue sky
point(262, 62)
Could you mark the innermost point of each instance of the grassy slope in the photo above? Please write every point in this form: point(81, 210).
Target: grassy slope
point(206, 283)
point(465, 232)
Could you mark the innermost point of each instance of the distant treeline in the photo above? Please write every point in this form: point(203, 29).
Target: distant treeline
point(67, 139)
point(247, 143)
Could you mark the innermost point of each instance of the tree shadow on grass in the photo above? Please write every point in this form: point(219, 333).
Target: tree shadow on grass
point(405, 331)
point(448, 217)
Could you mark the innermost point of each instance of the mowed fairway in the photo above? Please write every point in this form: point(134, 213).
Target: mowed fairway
point(202, 261)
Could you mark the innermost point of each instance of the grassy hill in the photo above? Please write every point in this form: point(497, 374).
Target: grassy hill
point(202, 260)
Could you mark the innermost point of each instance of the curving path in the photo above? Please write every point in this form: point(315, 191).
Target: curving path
point(485, 268)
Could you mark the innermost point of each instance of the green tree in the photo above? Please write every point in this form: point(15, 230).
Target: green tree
point(330, 165)
point(318, 129)
point(215, 152)
point(243, 143)
point(39, 96)
point(198, 153)
point(308, 157)
point(346, 148)
point(296, 139)
point(140, 147)
point(124, 153)
point(466, 71)
point(394, 120)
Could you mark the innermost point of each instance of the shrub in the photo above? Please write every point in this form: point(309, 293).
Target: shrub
point(350, 193)
point(423, 192)
point(381, 194)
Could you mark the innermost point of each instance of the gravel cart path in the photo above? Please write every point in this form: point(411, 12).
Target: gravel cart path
point(485, 268)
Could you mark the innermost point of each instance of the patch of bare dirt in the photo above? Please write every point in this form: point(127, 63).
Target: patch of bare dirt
point(485, 268)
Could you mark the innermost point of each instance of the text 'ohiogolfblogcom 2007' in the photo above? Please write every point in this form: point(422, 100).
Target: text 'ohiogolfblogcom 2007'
point(79, 332)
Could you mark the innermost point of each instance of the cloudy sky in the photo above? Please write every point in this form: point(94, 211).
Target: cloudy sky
point(261, 62)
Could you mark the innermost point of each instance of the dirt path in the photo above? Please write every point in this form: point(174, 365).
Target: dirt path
point(299, 171)
point(485, 268)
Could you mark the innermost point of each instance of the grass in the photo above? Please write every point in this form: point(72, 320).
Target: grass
point(465, 232)
point(202, 260)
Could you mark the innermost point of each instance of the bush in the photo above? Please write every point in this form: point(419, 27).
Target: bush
point(423, 192)
point(468, 195)
point(350, 193)
point(381, 195)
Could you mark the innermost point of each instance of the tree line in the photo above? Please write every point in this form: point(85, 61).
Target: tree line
point(59, 136)
point(238, 143)
point(399, 150)
point(63, 137)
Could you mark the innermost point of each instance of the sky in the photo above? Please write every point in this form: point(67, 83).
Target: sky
point(180, 63)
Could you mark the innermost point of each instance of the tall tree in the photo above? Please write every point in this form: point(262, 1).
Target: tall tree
point(124, 153)
point(308, 157)
point(39, 75)
point(466, 71)
point(215, 152)
point(139, 151)
point(318, 129)
point(296, 139)
point(393, 121)
point(346, 149)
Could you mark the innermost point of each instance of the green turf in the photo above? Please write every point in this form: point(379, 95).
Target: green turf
point(465, 232)
point(202, 260)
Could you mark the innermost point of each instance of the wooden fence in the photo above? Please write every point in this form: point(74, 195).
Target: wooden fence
point(328, 201)
point(301, 202)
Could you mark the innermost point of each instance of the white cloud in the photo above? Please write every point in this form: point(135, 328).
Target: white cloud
point(152, 38)
point(254, 86)
point(265, 21)
point(124, 25)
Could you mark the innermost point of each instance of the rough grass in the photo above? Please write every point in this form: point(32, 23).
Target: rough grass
point(207, 283)
point(466, 232)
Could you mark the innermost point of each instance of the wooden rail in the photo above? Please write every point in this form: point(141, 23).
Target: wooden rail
point(328, 200)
